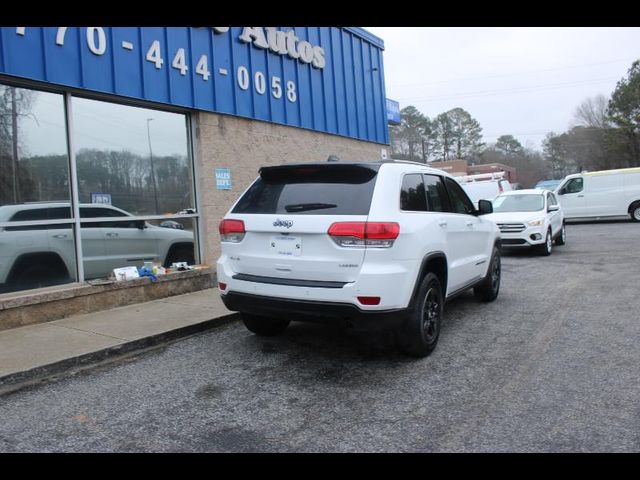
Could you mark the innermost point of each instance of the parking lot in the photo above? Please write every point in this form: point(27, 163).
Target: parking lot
point(551, 365)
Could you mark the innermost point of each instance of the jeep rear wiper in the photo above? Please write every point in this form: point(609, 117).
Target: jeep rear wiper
point(300, 207)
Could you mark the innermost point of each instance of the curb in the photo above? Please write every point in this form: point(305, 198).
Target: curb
point(17, 381)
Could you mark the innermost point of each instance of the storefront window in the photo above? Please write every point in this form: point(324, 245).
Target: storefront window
point(132, 162)
point(34, 164)
point(134, 158)
point(34, 190)
point(132, 166)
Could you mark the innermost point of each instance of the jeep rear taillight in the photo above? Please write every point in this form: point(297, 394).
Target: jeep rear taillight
point(361, 234)
point(231, 231)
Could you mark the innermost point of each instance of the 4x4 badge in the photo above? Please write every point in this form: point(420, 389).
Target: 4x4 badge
point(283, 223)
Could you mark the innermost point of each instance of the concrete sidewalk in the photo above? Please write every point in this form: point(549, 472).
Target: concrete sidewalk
point(37, 352)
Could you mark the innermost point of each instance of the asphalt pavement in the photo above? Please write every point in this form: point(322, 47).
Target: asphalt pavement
point(550, 366)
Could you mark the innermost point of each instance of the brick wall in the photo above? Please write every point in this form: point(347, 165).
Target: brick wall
point(244, 146)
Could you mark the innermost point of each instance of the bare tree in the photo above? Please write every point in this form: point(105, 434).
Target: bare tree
point(592, 113)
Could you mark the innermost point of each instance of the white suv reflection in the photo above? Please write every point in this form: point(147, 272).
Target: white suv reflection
point(39, 255)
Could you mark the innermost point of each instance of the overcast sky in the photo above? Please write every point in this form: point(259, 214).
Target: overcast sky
point(101, 125)
point(520, 81)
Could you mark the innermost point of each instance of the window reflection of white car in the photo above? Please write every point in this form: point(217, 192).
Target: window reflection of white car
point(33, 256)
point(529, 218)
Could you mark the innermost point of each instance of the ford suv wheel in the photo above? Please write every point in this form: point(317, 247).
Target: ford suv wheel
point(562, 238)
point(420, 333)
point(547, 247)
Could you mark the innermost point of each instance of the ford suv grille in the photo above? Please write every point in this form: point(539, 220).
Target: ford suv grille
point(511, 227)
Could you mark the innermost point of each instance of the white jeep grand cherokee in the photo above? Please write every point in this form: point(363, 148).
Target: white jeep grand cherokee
point(367, 243)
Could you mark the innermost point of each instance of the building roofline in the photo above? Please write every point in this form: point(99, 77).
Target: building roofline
point(366, 35)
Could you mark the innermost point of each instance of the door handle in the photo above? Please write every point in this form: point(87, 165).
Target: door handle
point(112, 234)
point(580, 195)
point(469, 224)
point(442, 223)
point(60, 236)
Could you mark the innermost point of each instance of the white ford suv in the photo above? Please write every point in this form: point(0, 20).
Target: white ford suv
point(529, 218)
point(368, 244)
point(33, 256)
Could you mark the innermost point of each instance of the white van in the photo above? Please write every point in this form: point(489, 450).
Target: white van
point(484, 186)
point(607, 193)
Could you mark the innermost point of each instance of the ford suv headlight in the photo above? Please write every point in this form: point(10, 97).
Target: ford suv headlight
point(536, 223)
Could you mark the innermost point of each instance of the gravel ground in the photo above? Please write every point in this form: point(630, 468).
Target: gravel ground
point(551, 365)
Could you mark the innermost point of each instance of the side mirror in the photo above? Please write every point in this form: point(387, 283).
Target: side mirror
point(484, 207)
point(141, 224)
point(553, 208)
point(562, 191)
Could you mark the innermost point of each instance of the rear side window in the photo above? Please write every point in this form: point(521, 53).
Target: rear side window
point(37, 214)
point(32, 214)
point(412, 196)
point(310, 190)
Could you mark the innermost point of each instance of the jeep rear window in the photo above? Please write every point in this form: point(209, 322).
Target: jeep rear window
point(310, 190)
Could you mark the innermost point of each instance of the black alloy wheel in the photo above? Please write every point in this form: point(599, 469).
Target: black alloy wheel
point(419, 334)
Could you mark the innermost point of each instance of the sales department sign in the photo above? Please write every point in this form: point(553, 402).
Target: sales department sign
point(323, 78)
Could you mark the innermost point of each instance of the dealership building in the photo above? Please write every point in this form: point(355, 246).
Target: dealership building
point(125, 145)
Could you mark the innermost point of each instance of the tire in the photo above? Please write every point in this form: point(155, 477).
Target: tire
point(562, 238)
point(547, 247)
point(38, 276)
point(488, 290)
point(419, 335)
point(634, 211)
point(264, 326)
point(181, 254)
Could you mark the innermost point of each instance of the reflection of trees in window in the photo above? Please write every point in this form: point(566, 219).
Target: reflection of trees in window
point(127, 177)
point(413, 199)
point(15, 179)
point(48, 178)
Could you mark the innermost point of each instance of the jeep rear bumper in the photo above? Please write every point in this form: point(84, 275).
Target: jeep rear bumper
point(313, 311)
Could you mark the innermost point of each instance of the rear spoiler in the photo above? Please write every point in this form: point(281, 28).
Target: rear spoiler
point(333, 172)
